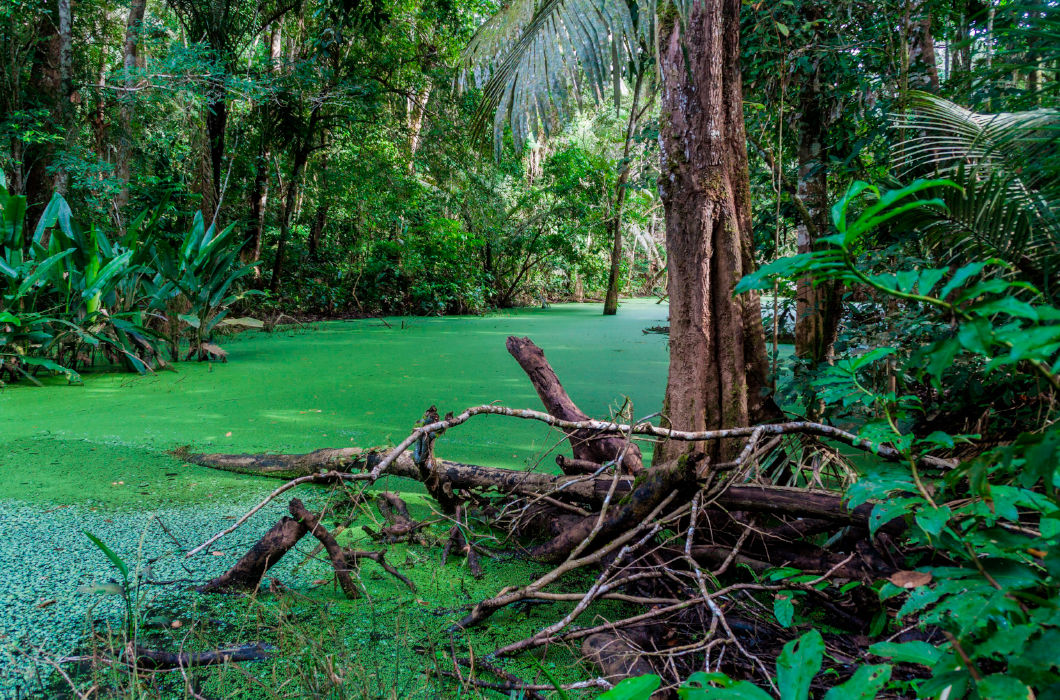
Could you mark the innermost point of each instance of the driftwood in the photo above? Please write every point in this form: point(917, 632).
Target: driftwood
point(458, 544)
point(252, 567)
point(588, 446)
point(400, 526)
point(154, 660)
point(335, 553)
point(664, 538)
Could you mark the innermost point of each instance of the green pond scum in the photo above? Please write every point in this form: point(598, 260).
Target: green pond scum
point(95, 457)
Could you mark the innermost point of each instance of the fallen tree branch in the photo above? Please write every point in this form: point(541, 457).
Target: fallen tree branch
point(154, 660)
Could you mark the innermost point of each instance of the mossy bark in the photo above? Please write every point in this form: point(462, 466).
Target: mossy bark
point(718, 365)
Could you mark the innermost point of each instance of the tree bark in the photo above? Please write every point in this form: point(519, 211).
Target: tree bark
point(130, 62)
point(817, 307)
point(259, 201)
point(289, 201)
point(718, 366)
point(923, 69)
point(615, 224)
point(252, 567)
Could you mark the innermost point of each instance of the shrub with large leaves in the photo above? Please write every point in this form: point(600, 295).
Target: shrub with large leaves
point(203, 270)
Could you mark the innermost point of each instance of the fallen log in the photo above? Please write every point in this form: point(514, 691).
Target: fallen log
point(335, 553)
point(252, 567)
point(154, 660)
point(588, 446)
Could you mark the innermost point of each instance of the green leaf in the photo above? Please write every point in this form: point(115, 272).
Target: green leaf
point(907, 652)
point(933, 520)
point(1001, 687)
point(698, 687)
point(118, 562)
point(784, 608)
point(637, 688)
point(865, 684)
point(783, 28)
point(797, 664)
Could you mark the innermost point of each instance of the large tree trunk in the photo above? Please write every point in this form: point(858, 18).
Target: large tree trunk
point(817, 307)
point(718, 367)
point(130, 62)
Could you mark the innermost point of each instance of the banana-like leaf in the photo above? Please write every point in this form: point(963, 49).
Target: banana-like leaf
point(42, 271)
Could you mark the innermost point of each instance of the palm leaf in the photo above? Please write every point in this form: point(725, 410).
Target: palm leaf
point(1008, 168)
point(533, 56)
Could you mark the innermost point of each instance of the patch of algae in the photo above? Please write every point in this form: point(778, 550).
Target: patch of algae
point(65, 452)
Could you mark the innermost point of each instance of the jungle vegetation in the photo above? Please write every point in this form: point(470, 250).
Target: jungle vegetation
point(877, 184)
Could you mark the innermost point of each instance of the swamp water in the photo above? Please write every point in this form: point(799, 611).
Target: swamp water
point(94, 457)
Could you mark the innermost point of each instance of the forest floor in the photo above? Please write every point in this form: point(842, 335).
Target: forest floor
point(94, 457)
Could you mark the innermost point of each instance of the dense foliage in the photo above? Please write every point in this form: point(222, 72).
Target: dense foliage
point(171, 169)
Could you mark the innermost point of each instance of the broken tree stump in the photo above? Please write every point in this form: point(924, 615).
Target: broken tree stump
point(586, 445)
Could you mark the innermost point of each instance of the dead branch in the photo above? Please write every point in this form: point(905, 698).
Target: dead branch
point(152, 659)
point(589, 446)
point(252, 567)
point(335, 553)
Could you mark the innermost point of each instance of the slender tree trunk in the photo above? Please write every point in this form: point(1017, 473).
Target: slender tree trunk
point(417, 108)
point(718, 363)
point(130, 62)
point(615, 224)
point(817, 307)
point(259, 200)
point(289, 203)
point(67, 94)
point(320, 217)
point(216, 129)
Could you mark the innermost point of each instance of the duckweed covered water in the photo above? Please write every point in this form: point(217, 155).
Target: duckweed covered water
point(93, 458)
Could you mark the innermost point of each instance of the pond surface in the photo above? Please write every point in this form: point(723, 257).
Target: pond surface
point(93, 457)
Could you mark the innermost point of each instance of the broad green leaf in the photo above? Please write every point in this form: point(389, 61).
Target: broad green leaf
point(797, 665)
point(637, 688)
point(1001, 687)
point(865, 684)
point(784, 608)
point(907, 652)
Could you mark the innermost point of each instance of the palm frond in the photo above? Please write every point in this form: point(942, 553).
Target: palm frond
point(993, 217)
point(1007, 166)
point(536, 58)
point(940, 135)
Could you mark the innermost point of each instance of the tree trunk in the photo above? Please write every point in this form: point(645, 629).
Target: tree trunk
point(320, 217)
point(718, 366)
point(923, 69)
point(67, 94)
point(817, 308)
point(46, 77)
point(289, 201)
point(259, 200)
point(130, 62)
point(615, 224)
point(417, 108)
